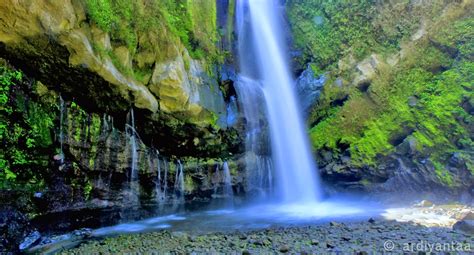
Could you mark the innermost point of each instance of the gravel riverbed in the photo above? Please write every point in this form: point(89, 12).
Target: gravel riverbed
point(372, 236)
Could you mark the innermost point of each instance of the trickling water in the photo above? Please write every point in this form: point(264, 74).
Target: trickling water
point(130, 129)
point(165, 180)
point(228, 192)
point(259, 24)
point(158, 191)
point(133, 181)
point(179, 183)
point(252, 102)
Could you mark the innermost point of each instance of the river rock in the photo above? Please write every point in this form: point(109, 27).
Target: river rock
point(284, 248)
point(466, 226)
point(30, 240)
point(425, 203)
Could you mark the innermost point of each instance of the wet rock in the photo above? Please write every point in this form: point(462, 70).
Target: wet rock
point(371, 220)
point(425, 203)
point(314, 242)
point(192, 238)
point(412, 101)
point(330, 245)
point(284, 249)
point(14, 227)
point(30, 240)
point(465, 225)
point(83, 232)
point(309, 88)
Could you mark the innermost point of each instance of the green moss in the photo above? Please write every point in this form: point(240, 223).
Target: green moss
point(163, 23)
point(26, 129)
point(369, 123)
point(100, 11)
point(189, 185)
point(443, 175)
point(325, 29)
point(329, 30)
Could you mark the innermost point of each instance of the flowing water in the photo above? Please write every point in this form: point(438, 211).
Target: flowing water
point(179, 183)
point(228, 192)
point(265, 91)
point(130, 130)
point(264, 67)
point(134, 188)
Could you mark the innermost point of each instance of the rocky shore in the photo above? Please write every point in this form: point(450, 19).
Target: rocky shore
point(372, 236)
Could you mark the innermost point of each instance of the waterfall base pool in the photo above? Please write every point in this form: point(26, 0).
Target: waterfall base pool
point(251, 217)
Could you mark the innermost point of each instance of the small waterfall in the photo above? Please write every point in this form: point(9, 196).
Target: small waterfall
point(228, 192)
point(263, 62)
point(252, 102)
point(165, 180)
point(160, 198)
point(130, 130)
point(179, 183)
point(133, 179)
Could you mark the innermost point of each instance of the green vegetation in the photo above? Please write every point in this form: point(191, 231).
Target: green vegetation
point(191, 22)
point(330, 30)
point(426, 97)
point(26, 130)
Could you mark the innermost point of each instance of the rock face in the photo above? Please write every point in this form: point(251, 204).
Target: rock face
point(309, 88)
point(14, 226)
point(64, 45)
point(377, 125)
point(466, 225)
point(122, 108)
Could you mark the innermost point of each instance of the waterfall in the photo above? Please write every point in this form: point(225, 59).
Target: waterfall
point(264, 64)
point(158, 190)
point(179, 183)
point(165, 180)
point(252, 102)
point(133, 180)
point(228, 192)
point(130, 130)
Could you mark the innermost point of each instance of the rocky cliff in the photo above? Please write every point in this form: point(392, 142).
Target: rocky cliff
point(94, 90)
point(396, 107)
point(109, 56)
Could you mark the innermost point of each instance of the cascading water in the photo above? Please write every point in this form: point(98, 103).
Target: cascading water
point(158, 188)
point(165, 180)
point(130, 130)
point(262, 57)
point(251, 100)
point(179, 183)
point(133, 180)
point(228, 192)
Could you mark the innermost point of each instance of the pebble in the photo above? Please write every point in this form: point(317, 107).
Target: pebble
point(284, 249)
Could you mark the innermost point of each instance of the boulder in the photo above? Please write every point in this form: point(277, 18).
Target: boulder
point(14, 227)
point(309, 87)
point(466, 226)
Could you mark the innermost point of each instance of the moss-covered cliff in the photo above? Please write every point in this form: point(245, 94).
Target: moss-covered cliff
point(71, 72)
point(397, 104)
point(109, 56)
